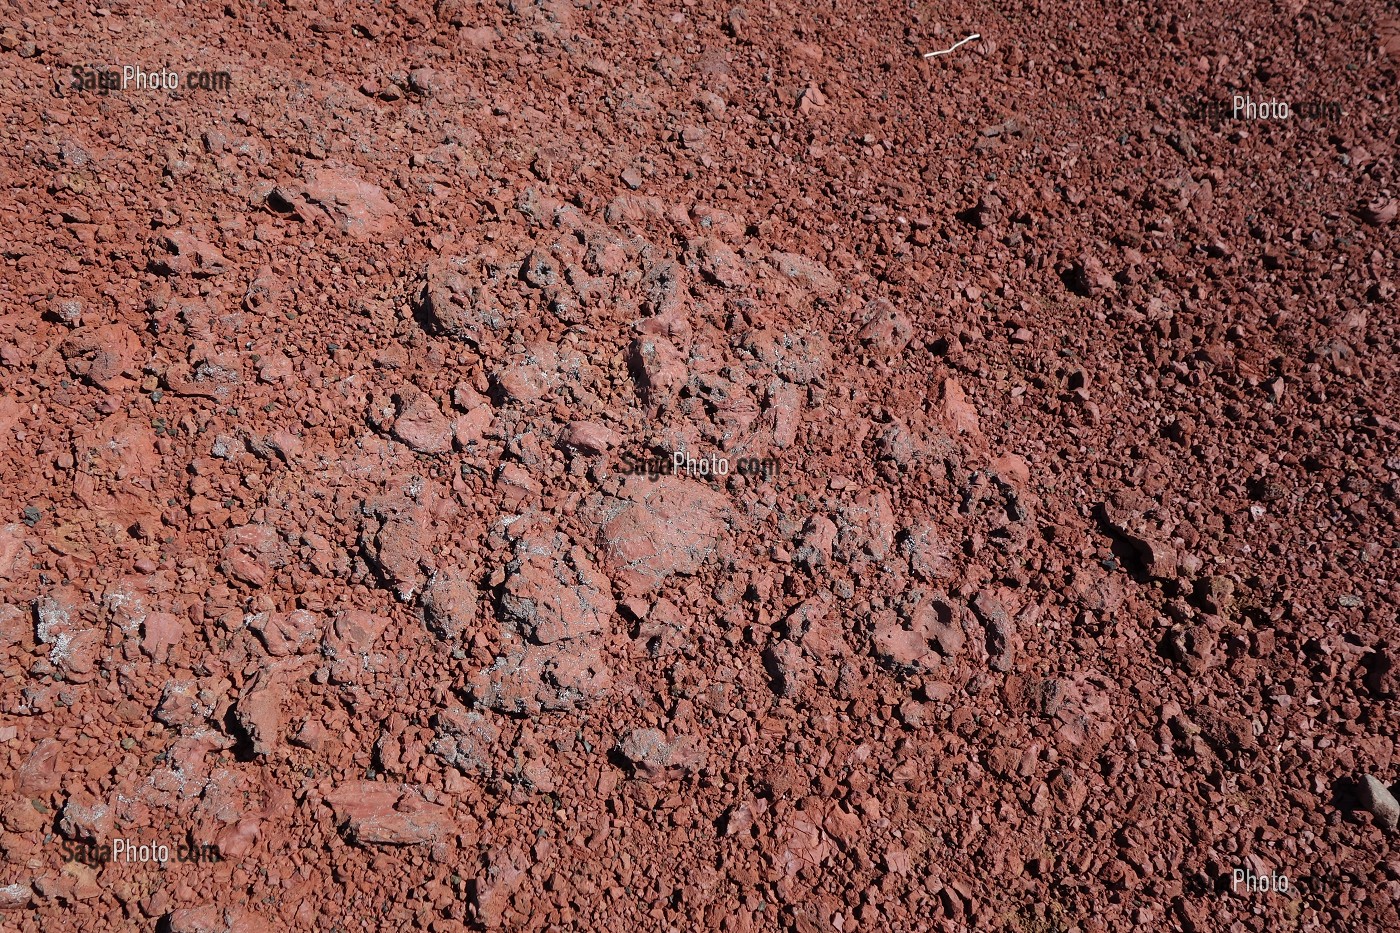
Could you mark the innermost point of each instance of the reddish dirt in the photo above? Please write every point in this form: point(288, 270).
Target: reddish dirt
point(1060, 586)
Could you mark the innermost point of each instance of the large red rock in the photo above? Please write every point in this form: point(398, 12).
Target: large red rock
point(355, 206)
point(657, 528)
point(381, 813)
point(554, 592)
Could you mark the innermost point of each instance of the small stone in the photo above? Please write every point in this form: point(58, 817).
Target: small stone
point(449, 604)
point(161, 631)
point(659, 528)
point(589, 437)
point(887, 330)
point(1000, 631)
point(658, 367)
point(554, 593)
point(1378, 799)
point(420, 423)
point(424, 81)
point(15, 896)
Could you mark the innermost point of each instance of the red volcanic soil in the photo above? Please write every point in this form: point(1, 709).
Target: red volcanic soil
point(1041, 575)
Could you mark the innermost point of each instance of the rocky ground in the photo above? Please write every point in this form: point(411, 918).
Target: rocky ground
point(1060, 585)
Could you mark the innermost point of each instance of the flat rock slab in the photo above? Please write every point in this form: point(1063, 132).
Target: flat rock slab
point(381, 813)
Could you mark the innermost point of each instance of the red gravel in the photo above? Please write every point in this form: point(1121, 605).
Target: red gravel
point(1051, 584)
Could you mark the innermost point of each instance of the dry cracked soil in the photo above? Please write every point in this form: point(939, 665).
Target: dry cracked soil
point(576, 465)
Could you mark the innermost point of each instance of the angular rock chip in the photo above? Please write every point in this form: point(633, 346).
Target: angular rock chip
point(259, 712)
point(458, 302)
point(42, 771)
point(658, 367)
point(464, 739)
point(183, 253)
point(420, 423)
point(1000, 631)
point(900, 648)
point(286, 633)
point(887, 330)
point(252, 554)
point(808, 273)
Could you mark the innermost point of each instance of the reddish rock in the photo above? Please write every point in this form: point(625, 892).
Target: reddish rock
point(801, 358)
point(659, 528)
point(183, 253)
point(717, 262)
point(252, 554)
point(653, 757)
point(259, 712)
point(815, 543)
point(788, 667)
point(658, 367)
point(589, 437)
point(379, 813)
point(193, 704)
point(420, 423)
point(929, 552)
point(801, 845)
point(532, 374)
point(491, 892)
point(464, 739)
point(536, 678)
point(471, 429)
point(353, 205)
point(161, 631)
point(458, 301)
point(956, 412)
point(212, 919)
point(74, 644)
point(805, 272)
point(15, 896)
point(106, 356)
point(866, 525)
point(887, 330)
point(783, 413)
point(936, 619)
point(287, 633)
point(1081, 709)
point(900, 648)
point(42, 771)
point(396, 536)
point(87, 819)
point(553, 592)
point(16, 626)
point(355, 631)
point(14, 550)
point(449, 604)
point(999, 628)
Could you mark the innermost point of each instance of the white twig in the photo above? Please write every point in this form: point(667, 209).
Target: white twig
point(953, 46)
